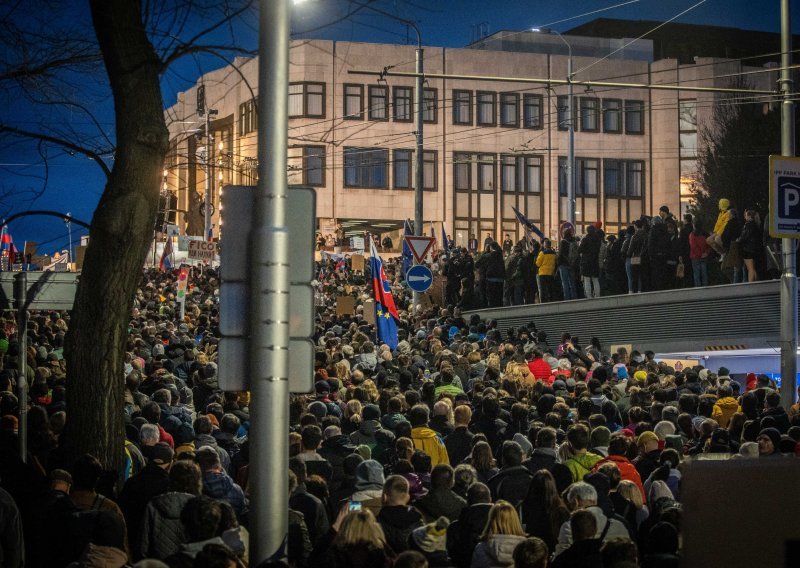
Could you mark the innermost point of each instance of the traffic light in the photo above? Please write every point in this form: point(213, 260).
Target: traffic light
point(183, 280)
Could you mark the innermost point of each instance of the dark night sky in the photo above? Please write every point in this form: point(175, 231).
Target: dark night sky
point(75, 183)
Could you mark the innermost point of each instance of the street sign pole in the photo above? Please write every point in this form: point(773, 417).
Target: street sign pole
point(789, 276)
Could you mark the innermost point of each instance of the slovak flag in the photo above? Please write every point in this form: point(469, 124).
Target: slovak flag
point(166, 256)
point(385, 311)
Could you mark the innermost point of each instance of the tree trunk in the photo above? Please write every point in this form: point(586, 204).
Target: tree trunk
point(122, 227)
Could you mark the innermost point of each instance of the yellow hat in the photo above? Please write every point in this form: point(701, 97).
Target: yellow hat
point(646, 437)
point(640, 376)
point(724, 204)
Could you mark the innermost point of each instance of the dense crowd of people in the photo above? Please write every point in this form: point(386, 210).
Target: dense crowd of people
point(653, 253)
point(464, 446)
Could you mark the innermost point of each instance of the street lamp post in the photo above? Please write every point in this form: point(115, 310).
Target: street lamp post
point(207, 206)
point(570, 130)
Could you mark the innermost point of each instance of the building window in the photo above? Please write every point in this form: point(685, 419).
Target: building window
point(623, 178)
point(462, 172)
point(402, 104)
point(590, 116)
point(634, 117)
point(404, 162)
point(378, 102)
point(366, 167)
point(353, 102)
point(247, 117)
point(509, 110)
point(687, 114)
point(429, 105)
point(487, 113)
point(532, 111)
point(634, 178)
point(562, 176)
point(429, 170)
point(306, 100)
point(401, 167)
point(509, 180)
point(586, 176)
point(486, 173)
point(612, 119)
point(533, 174)
point(314, 166)
point(462, 107)
point(562, 107)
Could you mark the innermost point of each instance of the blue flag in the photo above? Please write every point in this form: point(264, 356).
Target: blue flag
point(385, 311)
point(407, 257)
point(445, 240)
point(528, 224)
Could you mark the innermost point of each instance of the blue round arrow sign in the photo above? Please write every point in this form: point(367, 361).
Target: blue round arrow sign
point(419, 278)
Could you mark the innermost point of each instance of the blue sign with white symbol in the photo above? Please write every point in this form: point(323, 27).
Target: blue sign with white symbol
point(784, 206)
point(419, 278)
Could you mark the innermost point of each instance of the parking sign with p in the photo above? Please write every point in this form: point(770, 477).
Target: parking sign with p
point(784, 197)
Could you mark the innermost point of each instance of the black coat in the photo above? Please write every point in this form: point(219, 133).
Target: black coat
point(441, 503)
point(463, 534)
point(561, 473)
point(335, 450)
point(589, 249)
point(510, 484)
point(397, 523)
point(750, 244)
point(583, 554)
point(136, 494)
point(459, 445)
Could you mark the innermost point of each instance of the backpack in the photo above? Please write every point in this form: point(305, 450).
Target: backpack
point(573, 255)
point(81, 525)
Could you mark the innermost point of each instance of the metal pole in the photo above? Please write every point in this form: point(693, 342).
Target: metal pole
point(269, 294)
point(420, 163)
point(207, 205)
point(571, 146)
point(69, 230)
point(20, 296)
point(789, 276)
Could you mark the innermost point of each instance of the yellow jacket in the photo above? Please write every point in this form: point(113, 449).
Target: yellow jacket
point(724, 409)
point(722, 220)
point(546, 262)
point(429, 442)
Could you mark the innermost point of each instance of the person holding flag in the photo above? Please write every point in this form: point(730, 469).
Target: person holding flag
point(528, 224)
point(386, 315)
point(166, 262)
point(407, 258)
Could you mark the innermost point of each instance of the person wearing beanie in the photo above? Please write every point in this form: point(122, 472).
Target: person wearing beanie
point(769, 440)
point(431, 541)
point(370, 424)
point(649, 451)
point(599, 440)
point(726, 406)
point(369, 486)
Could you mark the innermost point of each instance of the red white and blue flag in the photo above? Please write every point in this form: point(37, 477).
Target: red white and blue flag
point(166, 256)
point(385, 311)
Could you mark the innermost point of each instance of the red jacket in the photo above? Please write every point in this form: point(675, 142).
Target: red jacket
point(698, 247)
point(539, 368)
point(626, 471)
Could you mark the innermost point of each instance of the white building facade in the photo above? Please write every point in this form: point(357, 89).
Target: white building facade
point(490, 145)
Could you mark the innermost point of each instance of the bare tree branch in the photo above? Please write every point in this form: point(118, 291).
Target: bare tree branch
point(98, 159)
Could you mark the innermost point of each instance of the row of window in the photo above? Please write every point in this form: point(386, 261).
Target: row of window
point(481, 108)
point(616, 114)
point(621, 178)
point(371, 167)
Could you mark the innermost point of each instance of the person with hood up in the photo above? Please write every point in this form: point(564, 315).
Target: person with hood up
point(370, 424)
point(369, 486)
point(582, 461)
point(725, 407)
point(396, 518)
point(491, 263)
point(769, 440)
point(426, 439)
point(201, 518)
point(714, 240)
point(502, 534)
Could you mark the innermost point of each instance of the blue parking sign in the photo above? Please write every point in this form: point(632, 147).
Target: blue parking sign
point(784, 197)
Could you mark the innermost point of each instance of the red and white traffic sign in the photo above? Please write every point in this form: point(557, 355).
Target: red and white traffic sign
point(419, 245)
